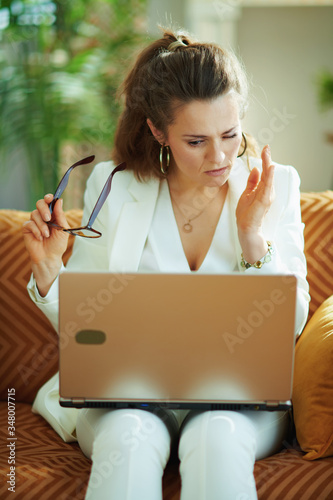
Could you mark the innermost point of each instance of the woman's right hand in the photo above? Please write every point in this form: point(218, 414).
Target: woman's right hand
point(45, 245)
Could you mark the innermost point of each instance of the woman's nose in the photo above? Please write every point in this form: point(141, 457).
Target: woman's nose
point(216, 154)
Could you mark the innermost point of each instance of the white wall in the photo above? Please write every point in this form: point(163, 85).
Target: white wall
point(283, 49)
point(165, 13)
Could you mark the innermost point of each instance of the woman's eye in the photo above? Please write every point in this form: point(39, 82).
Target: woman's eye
point(201, 141)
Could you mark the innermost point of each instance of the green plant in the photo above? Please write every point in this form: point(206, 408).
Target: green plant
point(61, 63)
point(325, 89)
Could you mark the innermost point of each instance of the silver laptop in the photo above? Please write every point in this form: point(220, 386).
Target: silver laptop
point(176, 340)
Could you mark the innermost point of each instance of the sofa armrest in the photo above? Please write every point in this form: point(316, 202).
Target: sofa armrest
point(27, 340)
point(317, 215)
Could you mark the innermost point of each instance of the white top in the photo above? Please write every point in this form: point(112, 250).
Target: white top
point(159, 256)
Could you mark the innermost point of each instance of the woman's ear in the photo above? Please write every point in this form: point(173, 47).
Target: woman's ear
point(159, 136)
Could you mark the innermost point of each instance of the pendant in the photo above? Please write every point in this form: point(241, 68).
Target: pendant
point(187, 228)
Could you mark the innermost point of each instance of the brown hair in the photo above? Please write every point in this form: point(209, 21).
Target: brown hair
point(171, 71)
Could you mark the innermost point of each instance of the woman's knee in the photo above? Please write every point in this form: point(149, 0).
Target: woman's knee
point(218, 433)
point(258, 434)
point(119, 433)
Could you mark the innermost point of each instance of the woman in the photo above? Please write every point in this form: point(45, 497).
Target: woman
point(189, 201)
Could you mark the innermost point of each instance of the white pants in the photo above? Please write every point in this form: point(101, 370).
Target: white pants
point(130, 449)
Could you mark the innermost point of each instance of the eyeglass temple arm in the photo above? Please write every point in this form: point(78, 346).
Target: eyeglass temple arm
point(64, 181)
point(104, 194)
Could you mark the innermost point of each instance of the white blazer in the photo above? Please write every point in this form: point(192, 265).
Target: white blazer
point(125, 221)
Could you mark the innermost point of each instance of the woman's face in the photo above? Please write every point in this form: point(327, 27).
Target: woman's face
point(204, 140)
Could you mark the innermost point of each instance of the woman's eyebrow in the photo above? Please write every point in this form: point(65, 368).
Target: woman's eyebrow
point(203, 136)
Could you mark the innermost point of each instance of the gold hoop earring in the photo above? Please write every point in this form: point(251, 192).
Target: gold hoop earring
point(245, 145)
point(163, 170)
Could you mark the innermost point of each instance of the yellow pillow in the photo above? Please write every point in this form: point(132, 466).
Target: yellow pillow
point(313, 384)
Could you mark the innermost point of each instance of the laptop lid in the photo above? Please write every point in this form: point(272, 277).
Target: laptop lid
point(177, 340)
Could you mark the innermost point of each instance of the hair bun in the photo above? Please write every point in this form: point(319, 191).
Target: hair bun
point(176, 45)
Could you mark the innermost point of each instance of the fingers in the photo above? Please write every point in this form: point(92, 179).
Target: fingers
point(267, 167)
point(43, 207)
point(29, 229)
point(59, 214)
point(266, 156)
point(253, 179)
point(37, 225)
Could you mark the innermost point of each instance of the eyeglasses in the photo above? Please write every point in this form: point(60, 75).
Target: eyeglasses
point(86, 231)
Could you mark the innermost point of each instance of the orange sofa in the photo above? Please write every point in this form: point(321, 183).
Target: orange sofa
point(36, 463)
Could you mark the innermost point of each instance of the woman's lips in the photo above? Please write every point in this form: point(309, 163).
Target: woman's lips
point(217, 172)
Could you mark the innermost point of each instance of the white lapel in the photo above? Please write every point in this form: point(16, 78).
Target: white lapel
point(164, 236)
point(136, 216)
point(133, 226)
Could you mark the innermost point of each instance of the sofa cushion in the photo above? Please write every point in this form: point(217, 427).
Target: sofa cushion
point(313, 384)
point(317, 215)
point(28, 342)
point(45, 466)
point(286, 476)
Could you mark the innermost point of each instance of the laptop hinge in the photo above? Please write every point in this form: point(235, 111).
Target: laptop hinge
point(78, 401)
point(272, 404)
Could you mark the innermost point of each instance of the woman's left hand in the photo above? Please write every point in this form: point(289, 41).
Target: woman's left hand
point(252, 208)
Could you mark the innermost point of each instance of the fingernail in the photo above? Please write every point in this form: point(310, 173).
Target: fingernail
point(46, 233)
point(47, 216)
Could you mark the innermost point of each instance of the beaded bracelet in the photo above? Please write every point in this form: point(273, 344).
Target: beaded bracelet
point(259, 263)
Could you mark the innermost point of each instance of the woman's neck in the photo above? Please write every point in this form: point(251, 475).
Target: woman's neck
point(182, 187)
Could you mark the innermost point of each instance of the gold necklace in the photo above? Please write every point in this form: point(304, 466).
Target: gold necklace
point(187, 227)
